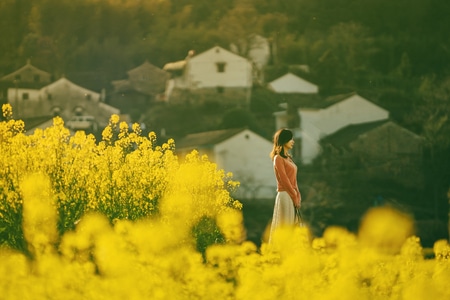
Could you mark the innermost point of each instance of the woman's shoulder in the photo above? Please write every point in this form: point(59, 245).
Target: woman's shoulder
point(278, 158)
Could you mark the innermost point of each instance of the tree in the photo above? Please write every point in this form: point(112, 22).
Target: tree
point(346, 50)
point(431, 117)
point(237, 118)
point(239, 26)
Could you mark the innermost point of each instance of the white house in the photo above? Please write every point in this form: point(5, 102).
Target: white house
point(292, 84)
point(216, 71)
point(240, 151)
point(333, 114)
point(63, 98)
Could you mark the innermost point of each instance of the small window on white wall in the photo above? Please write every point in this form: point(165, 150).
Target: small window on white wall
point(78, 111)
point(25, 96)
point(220, 67)
point(56, 111)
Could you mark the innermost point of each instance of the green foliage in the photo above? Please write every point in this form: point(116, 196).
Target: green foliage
point(207, 233)
point(238, 118)
point(342, 41)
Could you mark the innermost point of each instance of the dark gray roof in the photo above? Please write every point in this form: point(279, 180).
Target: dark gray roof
point(33, 122)
point(344, 136)
point(316, 101)
point(206, 139)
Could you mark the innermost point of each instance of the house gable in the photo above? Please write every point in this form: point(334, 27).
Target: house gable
point(148, 79)
point(205, 140)
point(381, 139)
point(69, 99)
point(317, 123)
point(344, 136)
point(389, 140)
point(214, 75)
point(218, 67)
point(65, 90)
point(239, 151)
point(290, 83)
point(246, 155)
point(28, 74)
point(384, 149)
point(352, 110)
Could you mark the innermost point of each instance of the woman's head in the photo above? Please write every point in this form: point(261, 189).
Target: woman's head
point(280, 139)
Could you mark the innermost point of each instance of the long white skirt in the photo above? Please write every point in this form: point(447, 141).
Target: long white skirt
point(283, 212)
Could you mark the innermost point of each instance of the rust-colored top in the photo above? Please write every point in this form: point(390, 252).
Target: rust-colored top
point(286, 174)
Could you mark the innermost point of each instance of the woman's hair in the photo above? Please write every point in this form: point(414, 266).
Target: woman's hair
point(280, 138)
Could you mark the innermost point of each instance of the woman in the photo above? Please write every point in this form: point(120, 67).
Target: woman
point(288, 197)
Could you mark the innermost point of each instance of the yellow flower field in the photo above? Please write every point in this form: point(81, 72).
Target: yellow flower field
point(124, 218)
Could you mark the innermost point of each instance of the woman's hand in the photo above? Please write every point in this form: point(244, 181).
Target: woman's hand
point(298, 202)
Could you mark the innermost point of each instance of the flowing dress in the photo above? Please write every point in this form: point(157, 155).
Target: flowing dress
point(287, 189)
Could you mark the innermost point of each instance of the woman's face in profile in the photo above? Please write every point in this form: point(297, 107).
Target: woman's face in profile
point(290, 144)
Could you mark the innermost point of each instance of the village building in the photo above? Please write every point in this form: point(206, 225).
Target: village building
point(319, 118)
point(214, 75)
point(290, 83)
point(60, 98)
point(240, 151)
point(383, 148)
point(144, 85)
point(27, 77)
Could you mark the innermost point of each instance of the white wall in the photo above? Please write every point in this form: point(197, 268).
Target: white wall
point(65, 89)
point(24, 108)
point(202, 70)
point(14, 94)
point(246, 155)
point(281, 120)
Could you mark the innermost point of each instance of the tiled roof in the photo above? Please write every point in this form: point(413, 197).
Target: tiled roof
point(315, 101)
point(25, 67)
point(31, 123)
point(206, 139)
point(344, 136)
point(145, 67)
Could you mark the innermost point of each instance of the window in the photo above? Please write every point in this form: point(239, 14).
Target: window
point(37, 78)
point(56, 111)
point(220, 67)
point(220, 89)
point(49, 96)
point(25, 96)
point(17, 77)
point(88, 96)
point(78, 111)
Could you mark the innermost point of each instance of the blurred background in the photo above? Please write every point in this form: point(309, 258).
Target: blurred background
point(364, 84)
